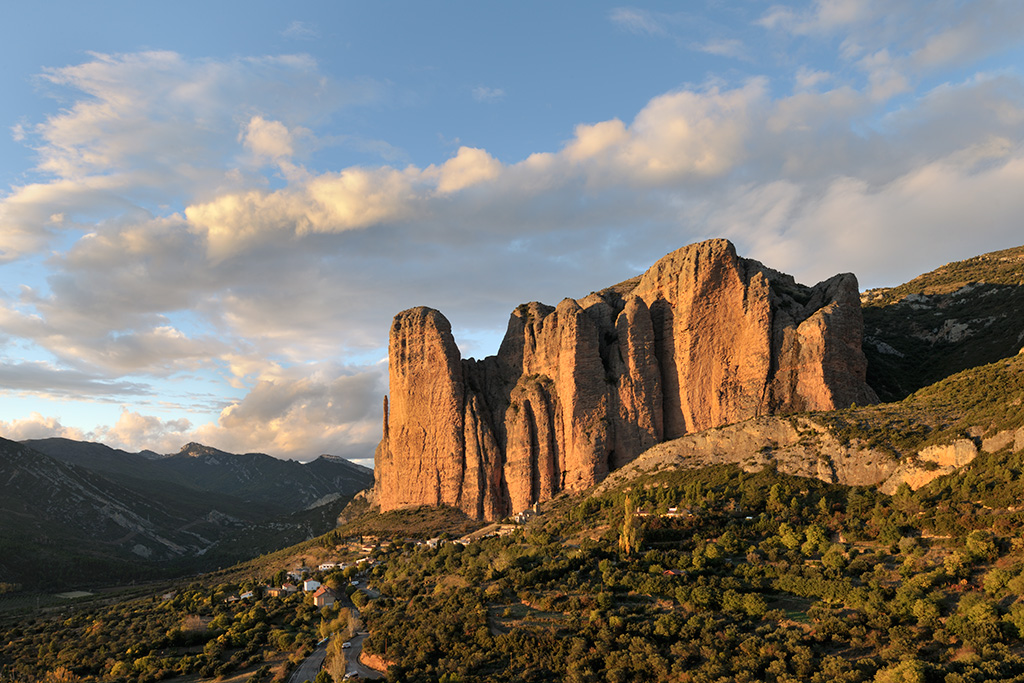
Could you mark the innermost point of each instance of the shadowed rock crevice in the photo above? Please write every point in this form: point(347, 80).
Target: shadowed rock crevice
point(702, 339)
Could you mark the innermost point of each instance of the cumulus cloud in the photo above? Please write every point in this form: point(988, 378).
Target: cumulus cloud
point(333, 202)
point(155, 127)
point(304, 411)
point(268, 139)
point(134, 431)
point(676, 136)
point(36, 426)
point(467, 168)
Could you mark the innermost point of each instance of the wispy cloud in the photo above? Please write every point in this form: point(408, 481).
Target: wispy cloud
point(638, 21)
point(485, 94)
point(301, 30)
point(733, 48)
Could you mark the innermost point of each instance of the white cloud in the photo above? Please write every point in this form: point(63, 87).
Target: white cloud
point(972, 30)
point(823, 16)
point(333, 202)
point(268, 139)
point(467, 168)
point(807, 78)
point(304, 411)
point(941, 211)
point(36, 426)
point(48, 380)
point(484, 94)
point(134, 431)
point(637, 21)
point(676, 136)
point(725, 47)
point(149, 120)
point(301, 30)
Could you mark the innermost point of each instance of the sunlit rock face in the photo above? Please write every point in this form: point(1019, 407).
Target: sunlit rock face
point(702, 339)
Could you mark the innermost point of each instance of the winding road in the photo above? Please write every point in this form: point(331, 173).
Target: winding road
point(310, 666)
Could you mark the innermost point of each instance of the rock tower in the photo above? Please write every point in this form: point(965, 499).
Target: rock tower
point(702, 339)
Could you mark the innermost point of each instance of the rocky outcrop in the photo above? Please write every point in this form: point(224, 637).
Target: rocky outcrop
point(702, 339)
point(794, 445)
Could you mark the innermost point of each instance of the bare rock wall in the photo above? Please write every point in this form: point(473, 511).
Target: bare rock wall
point(704, 338)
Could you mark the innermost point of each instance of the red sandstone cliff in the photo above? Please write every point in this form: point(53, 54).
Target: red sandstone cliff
point(702, 339)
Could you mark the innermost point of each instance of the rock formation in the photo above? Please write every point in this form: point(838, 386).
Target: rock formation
point(702, 339)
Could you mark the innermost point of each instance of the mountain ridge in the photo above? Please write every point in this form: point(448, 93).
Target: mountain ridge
point(81, 512)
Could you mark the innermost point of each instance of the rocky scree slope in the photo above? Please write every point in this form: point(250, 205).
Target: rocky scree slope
point(704, 338)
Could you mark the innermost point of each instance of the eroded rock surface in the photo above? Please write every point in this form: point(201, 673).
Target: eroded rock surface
point(704, 338)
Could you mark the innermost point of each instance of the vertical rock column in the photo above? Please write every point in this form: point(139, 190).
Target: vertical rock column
point(422, 459)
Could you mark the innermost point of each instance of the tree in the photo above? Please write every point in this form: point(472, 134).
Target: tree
point(631, 536)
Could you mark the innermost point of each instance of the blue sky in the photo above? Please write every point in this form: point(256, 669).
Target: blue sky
point(209, 212)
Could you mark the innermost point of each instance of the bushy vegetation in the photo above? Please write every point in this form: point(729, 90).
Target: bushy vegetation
point(756, 577)
point(681, 575)
point(974, 403)
point(194, 632)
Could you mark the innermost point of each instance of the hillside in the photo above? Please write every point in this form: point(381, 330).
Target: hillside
point(85, 514)
point(958, 316)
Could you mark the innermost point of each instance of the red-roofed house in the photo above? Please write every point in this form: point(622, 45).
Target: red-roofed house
point(324, 597)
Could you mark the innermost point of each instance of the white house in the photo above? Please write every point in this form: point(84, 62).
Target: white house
point(310, 585)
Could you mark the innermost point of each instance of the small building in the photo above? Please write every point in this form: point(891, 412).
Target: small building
point(324, 597)
point(247, 595)
point(275, 592)
point(526, 515)
point(310, 585)
point(297, 573)
point(289, 588)
point(328, 566)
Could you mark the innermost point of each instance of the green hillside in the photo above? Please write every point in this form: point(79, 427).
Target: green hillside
point(959, 316)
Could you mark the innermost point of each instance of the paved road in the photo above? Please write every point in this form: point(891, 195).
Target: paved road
point(352, 657)
point(309, 668)
point(312, 664)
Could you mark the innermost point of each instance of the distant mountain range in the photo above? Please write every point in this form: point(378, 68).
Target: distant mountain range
point(75, 512)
